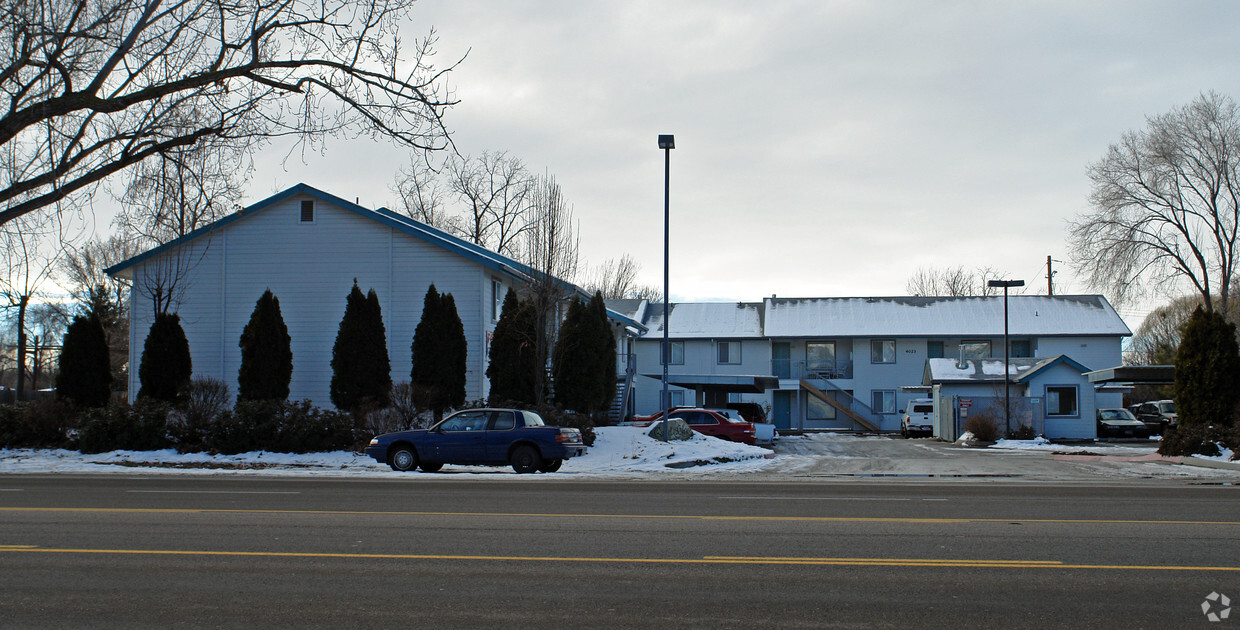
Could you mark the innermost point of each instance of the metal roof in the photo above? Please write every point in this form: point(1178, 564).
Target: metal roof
point(399, 222)
point(1028, 315)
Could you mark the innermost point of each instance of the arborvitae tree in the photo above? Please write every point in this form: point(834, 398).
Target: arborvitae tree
point(85, 377)
point(584, 363)
point(166, 367)
point(361, 372)
point(426, 350)
point(266, 353)
point(379, 368)
point(439, 355)
point(456, 350)
point(1207, 371)
point(603, 347)
point(514, 362)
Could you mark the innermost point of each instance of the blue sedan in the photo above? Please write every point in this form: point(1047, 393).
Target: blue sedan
point(489, 437)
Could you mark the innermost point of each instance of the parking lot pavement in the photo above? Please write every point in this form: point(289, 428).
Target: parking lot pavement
point(843, 455)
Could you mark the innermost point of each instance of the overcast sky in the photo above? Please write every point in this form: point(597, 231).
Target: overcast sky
point(822, 148)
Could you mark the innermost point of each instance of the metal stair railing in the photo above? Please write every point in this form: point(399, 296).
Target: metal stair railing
point(859, 412)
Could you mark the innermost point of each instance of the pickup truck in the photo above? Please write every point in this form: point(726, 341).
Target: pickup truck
point(486, 437)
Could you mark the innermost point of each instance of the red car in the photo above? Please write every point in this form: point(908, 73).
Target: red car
point(710, 423)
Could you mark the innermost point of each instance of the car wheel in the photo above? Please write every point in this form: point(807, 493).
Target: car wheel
point(904, 432)
point(430, 466)
point(551, 465)
point(403, 458)
point(525, 459)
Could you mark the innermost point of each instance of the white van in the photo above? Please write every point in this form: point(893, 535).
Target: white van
point(918, 418)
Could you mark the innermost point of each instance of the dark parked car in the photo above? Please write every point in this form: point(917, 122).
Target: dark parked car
point(1120, 423)
point(1156, 414)
point(489, 437)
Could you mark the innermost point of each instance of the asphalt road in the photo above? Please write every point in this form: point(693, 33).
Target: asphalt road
point(222, 551)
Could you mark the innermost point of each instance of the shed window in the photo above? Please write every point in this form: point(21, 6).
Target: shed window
point(1061, 401)
point(307, 211)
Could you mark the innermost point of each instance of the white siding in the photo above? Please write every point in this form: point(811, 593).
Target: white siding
point(310, 267)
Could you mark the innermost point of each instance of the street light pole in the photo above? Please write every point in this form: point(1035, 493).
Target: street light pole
point(667, 142)
point(1007, 386)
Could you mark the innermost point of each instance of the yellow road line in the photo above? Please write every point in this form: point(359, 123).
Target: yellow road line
point(814, 519)
point(863, 562)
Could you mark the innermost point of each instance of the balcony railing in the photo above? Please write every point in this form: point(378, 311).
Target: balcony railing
point(787, 368)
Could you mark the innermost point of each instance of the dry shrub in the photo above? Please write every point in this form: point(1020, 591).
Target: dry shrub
point(983, 427)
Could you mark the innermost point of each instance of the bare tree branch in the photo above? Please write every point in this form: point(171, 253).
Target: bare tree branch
point(88, 89)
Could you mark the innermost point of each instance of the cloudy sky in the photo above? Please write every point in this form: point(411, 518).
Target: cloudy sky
point(822, 148)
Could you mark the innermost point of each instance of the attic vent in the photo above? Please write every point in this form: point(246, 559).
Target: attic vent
point(307, 211)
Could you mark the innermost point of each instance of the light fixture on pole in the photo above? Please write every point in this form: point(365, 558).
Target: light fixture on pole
point(1007, 388)
point(667, 142)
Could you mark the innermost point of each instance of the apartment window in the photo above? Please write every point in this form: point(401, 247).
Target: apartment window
point(1022, 349)
point(729, 352)
point(1061, 401)
point(816, 409)
point(882, 351)
point(676, 349)
point(820, 355)
point(307, 211)
point(975, 350)
point(883, 400)
point(934, 349)
point(497, 300)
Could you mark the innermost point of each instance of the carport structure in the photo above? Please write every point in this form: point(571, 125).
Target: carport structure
point(1134, 375)
point(711, 390)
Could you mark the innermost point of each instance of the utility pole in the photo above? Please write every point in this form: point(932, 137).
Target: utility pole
point(1050, 277)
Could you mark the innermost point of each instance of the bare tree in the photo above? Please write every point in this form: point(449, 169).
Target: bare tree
point(421, 196)
point(549, 253)
point(951, 281)
point(617, 279)
point(29, 249)
point(174, 193)
point(106, 297)
point(1157, 338)
point(93, 88)
point(495, 191)
point(1165, 205)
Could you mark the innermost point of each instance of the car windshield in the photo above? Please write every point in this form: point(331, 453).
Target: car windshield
point(1116, 414)
point(1167, 406)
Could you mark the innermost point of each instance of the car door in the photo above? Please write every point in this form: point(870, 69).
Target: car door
point(704, 423)
point(462, 438)
point(501, 433)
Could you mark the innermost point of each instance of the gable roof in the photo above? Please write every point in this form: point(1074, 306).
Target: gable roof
point(398, 222)
point(991, 370)
point(707, 320)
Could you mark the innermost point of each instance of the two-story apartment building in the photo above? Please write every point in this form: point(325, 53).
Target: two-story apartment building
point(854, 363)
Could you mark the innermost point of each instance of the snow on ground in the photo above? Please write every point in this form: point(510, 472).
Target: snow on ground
point(617, 451)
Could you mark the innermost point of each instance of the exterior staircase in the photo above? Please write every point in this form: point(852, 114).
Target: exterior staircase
point(845, 403)
point(624, 389)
